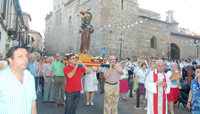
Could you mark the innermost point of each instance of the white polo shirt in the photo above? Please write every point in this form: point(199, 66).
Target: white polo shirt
point(15, 97)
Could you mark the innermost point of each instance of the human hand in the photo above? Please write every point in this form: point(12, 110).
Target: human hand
point(45, 80)
point(112, 65)
point(158, 83)
point(188, 105)
point(52, 80)
point(164, 84)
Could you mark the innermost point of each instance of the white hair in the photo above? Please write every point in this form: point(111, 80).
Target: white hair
point(50, 58)
point(174, 64)
point(31, 55)
point(158, 61)
point(110, 57)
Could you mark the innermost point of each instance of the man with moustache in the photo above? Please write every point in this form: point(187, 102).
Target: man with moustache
point(17, 85)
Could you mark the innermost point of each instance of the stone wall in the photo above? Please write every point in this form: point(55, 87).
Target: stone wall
point(62, 30)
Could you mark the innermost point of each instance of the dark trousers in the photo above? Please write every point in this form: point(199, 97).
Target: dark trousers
point(130, 82)
point(72, 101)
point(41, 82)
point(36, 83)
point(102, 82)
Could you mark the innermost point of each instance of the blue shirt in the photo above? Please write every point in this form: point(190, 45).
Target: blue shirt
point(195, 89)
point(15, 97)
point(32, 68)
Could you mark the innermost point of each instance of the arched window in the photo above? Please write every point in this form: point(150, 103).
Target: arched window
point(153, 42)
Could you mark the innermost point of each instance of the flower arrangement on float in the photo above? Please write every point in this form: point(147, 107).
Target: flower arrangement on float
point(97, 59)
point(65, 56)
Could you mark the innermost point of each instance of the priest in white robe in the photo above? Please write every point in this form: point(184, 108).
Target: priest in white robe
point(157, 86)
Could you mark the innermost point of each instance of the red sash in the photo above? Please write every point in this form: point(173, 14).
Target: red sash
point(155, 96)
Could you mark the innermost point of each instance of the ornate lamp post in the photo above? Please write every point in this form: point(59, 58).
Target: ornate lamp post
point(120, 54)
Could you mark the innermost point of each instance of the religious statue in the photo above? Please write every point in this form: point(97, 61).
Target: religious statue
point(86, 30)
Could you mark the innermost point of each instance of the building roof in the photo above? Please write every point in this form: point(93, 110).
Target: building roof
point(185, 35)
point(149, 11)
point(35, 32)
point(18, 8)
point(161, 21)
point(27, 14)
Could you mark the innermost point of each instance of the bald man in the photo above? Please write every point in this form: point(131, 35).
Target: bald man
point(111, 87)
point(32, 68)
point(157, 86)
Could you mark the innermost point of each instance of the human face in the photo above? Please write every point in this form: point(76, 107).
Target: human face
point(123, 65)
point(197, 73)
point(50, 60)
point(144, 67)
point(32, 58)
point(112, 59)
point(153, 65)
point(73, 60)
point(173, 67)
point(58, 57)
point(160, 67)
point(19, 61)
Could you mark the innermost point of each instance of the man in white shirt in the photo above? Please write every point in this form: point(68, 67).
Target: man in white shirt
point(17, 86)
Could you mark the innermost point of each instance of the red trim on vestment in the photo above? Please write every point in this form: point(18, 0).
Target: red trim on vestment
point(155, 96)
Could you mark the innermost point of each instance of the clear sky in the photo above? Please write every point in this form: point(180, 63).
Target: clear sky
point(186, 12)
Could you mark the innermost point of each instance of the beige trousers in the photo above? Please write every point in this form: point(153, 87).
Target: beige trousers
point(111, 97)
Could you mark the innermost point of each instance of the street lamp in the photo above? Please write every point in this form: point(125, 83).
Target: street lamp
point(120, 54)
point(197, 46)
point(168, 52)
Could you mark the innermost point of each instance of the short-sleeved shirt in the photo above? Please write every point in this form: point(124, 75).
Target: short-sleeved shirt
point(141, 76)
point(73, 84)
point(114, 74)
point(32, 68)
point(16, 98)
point(46, 69)
point(195, 89)
point(57, 68)
point(125, 75)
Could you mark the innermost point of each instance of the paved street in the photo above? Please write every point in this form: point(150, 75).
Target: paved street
point(49, 108)
point(125, 107)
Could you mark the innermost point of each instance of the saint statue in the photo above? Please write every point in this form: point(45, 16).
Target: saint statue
point(86, 30)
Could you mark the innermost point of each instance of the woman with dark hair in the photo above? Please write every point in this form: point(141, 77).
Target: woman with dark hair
point(141, 75)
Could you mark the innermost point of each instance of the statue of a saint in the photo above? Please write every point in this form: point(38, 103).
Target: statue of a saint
point(86, 30)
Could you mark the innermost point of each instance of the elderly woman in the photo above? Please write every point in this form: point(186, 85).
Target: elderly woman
point(124, 81)
point(174, 88)
point(194, 95)
point(48, 85)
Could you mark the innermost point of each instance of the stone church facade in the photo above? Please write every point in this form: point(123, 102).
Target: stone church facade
point(149, 36)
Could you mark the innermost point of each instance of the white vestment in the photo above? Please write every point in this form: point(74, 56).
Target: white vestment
point(151, 90)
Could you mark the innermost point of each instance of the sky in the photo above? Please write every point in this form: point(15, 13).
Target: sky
point(186, 12)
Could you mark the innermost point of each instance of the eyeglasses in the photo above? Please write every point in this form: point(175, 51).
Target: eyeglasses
point(57, 56)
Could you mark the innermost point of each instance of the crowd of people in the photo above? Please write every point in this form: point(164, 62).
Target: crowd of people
point(25, 75)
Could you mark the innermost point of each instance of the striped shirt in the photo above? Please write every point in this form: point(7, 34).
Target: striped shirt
point(16, 98)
